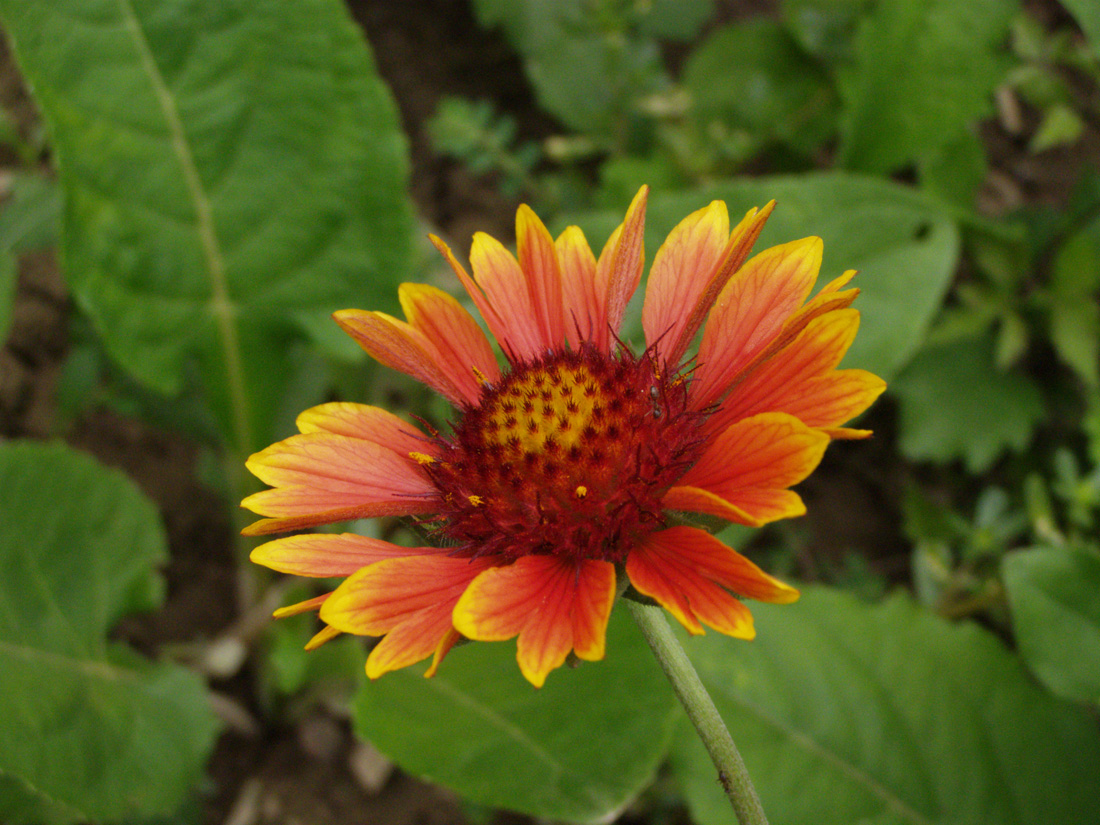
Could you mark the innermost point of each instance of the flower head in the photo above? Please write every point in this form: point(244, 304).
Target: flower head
point(569, 471)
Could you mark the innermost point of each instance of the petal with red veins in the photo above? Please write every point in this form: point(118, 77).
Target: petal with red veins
point(620, 276)
point(461, 348)
point(681, 269)
point(400, 346)
point(750, 464)
point(801, 379)
point(409, 600)
point(326, 554)
point(584, 308)
point(498, 273)
point(368, 423)
point(689, 272)
point(695, 500)
point(493, 319)
point(692, 574)
point(751, 311)
point(554, 605)
point(538, 258)
point(321, 472)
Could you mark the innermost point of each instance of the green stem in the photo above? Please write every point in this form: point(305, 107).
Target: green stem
point(702, 712)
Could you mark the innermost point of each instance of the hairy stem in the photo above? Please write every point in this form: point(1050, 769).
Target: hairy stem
point(702, 712)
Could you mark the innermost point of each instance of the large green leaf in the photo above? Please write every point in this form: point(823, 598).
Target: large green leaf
point(847, 712)
point(924, 71)
point(88, 725)
point(769, 87)
point(578, 749)
point(586, 68)
point(19, 805)
point(904, 246)
point(1054, 593)
point(225, 166)
point(955, 404)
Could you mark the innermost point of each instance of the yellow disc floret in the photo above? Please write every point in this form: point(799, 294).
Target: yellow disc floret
point(553, 405)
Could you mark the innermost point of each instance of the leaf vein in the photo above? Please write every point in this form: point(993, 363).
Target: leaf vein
point(222, 306)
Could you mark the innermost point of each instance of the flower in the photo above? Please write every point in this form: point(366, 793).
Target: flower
point(567, 473)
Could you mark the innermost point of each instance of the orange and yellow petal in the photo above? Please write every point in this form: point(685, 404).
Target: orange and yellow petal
point(400, 346)
point(681, 268)
point(689, 272)
point(327, 554)
point(750, 465)
point(428, 633)
point(688, 499)
point(554, 605)
point(301, 607)
point(692, 575)
point(750, 313)
point(315, 471)
point(461, 349)
point(583, 307)
point(493, 319)
point(287, 524)
point(321, 477)
point(802, 379)
point(619, 269)
point(504, 284)
point(368, 423)
point(538, 258)
point(409, 600)
point(324, 635)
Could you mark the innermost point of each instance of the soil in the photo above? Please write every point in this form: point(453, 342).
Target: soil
point(312, 770)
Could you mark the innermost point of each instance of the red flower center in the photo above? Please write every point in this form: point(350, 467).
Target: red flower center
point(568, 454)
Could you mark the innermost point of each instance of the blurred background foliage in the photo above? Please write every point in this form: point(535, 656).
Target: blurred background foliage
point(213, 179)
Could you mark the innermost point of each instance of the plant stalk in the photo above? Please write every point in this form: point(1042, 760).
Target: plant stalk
point(702, 712)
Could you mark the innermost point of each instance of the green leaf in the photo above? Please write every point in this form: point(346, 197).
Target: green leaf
point(768, 86)
point(847, 712)
point(1087, 15)
point(20, 805)
point(578, 749)
point(674, 19)
point(954, 404)
point(825, 29)
point(956, 170)
point(1054, 594)
point(587, 65)
point(1012, 341)
point(30, 216)
point(89, 725)
point(225, 166)
point(902, 243)
point(1074, 314)
point(1075, 333)
point(1061, 125)
point(924, 70)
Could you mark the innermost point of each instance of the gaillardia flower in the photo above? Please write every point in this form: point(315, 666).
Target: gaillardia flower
point(576, 466)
